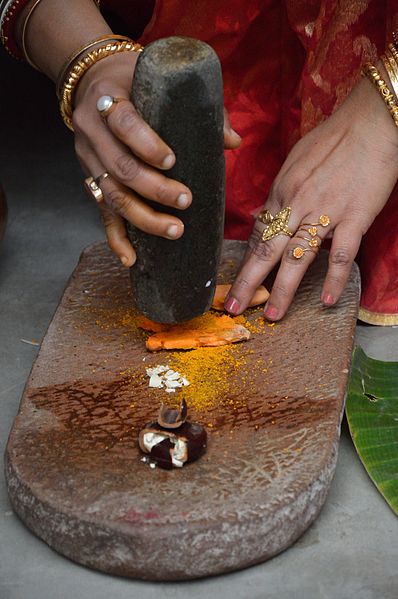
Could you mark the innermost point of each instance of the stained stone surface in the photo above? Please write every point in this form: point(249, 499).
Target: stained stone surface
point(73, 466)
point(178, 90)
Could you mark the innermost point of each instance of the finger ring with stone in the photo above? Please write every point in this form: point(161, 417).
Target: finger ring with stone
point(106, 104)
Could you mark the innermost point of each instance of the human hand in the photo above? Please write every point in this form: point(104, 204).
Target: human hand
point(345, 168)
point(126, 147)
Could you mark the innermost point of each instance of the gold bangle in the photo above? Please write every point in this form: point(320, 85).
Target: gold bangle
point(391, 67)
point(82, 66)
point(393, 51)
point(23, 34)
point(77, 54)
point(24, 29)
point(374, 76)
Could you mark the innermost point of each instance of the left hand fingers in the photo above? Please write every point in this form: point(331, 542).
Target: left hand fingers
point(116, 234)
point(300, 252)
point(345, 246)
point(259, 260)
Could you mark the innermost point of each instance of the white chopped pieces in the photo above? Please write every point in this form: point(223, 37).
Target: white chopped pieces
point(155, 381)
point(163, 377)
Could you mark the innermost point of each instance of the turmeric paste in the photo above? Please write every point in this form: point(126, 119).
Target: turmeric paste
point(204, 331)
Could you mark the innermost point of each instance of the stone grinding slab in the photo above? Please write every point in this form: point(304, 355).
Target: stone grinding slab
point(73, 468)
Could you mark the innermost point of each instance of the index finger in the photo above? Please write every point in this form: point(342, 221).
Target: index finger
point(125, 122)
point(259, 260)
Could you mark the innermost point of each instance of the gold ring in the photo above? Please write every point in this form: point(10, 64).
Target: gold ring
point(312, 229)
point(100, 178)
point(312, 242)
point(275, 225)
point(106, 104)
point(324, 221)
point(93, 189)
point(298, 252)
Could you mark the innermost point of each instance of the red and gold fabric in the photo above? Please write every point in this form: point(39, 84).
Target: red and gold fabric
point(287, 66)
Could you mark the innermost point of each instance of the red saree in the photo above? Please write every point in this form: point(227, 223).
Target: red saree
point(287, 66)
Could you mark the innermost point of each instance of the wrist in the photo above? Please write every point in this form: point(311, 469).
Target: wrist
point(372, 112)
point(108, 77)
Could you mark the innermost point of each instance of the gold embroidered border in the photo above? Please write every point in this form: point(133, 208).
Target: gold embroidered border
point(383, 320)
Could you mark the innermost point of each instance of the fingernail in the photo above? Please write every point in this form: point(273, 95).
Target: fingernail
point(232, 305)
point(183, 200)
point(124, 260)
point(271, 312)
point(172, 232)
point(328, 299)
point(168, 161)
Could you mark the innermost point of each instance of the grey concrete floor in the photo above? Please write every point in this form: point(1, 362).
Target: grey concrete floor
point(350, 552)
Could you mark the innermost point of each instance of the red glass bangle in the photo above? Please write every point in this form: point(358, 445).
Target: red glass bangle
point(8, 22)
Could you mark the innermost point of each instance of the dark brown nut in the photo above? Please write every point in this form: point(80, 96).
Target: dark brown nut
point(176, 447)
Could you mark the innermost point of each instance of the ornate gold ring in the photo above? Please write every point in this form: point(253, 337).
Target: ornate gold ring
point(275, 225)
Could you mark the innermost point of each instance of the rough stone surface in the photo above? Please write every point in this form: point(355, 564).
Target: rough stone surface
point(178, 90)
point(73, 467)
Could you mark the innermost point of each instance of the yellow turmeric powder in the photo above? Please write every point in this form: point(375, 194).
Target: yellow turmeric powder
point(210, 372)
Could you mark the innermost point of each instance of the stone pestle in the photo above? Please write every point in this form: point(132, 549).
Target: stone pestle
point(178, 90)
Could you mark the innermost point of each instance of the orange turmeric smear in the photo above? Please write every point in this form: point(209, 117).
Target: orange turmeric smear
point(207, 330)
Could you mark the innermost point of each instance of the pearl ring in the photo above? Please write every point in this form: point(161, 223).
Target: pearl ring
point(106, 104)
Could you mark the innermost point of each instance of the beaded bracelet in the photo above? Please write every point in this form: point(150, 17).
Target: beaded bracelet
point(10, 10)
point(82, 66)
point(374, 76)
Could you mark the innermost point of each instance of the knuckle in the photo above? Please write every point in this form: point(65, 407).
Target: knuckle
point(280, 289)
point(125, 118)
point(118, 200)
point(126, 168)
point(241, 284)
point(287, 189)
point(261, 250)
point(100, 87)
point(295, 190)
point(107, 220)
point(162, 193)
point(335, 281)
point(340, 257)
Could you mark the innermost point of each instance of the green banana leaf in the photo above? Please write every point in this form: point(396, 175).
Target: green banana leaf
point(372, 414)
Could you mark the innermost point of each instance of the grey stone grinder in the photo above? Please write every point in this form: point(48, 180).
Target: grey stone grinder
point(178, 90)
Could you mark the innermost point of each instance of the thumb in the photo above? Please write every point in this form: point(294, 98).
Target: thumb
point(231, 138)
